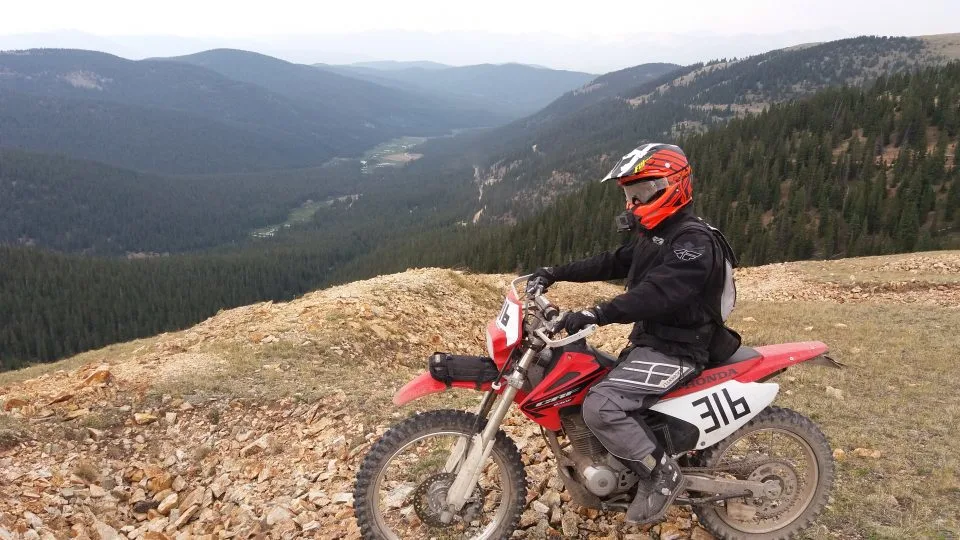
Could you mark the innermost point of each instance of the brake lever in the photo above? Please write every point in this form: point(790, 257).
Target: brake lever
point(553, 324)
point(553, 343)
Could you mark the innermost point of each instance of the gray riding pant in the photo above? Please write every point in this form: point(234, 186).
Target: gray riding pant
point(612, 407)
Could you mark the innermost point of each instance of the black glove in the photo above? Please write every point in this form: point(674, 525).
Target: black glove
point(541, 277)
point(576, 321)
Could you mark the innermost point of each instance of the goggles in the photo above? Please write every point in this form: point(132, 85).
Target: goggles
point(644, 191)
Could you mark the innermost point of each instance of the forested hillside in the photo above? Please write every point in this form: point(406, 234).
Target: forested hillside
point(55, 305)
point(527, 164)
point(848, 172)
point(83, 206)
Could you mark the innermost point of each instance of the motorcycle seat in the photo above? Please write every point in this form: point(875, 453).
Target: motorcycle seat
point(742, 355)
point(605, 360)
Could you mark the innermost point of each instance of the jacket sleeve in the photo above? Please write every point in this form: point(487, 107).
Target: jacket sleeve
point(610, 265)
point(683, 275)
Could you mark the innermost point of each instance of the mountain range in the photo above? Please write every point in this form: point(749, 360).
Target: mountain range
point(217, 111)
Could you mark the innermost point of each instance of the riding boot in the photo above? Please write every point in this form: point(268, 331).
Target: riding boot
point(656, 494)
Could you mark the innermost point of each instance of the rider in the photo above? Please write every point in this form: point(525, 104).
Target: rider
point(670, 266)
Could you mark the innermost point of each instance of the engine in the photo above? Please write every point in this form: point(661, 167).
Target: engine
point(598, 471)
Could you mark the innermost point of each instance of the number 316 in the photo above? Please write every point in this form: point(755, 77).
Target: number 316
point(738, 409)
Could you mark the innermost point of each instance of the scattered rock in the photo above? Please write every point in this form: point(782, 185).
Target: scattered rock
point(106, 532)
point(186, 516)
point(77, 413)
point(539, 507)
point(167, 504)
point(699, 533)
point(144, 418)
point(256, 446)
point(835, 393)
point(570, 524)
point(669, 531)
point(178, 484)
point(529, 518)
point(32, 520)
point(839, 454)
point(101, 375)
point(65, 396)
point(343, 498)
point(867, 453)
point(277, 515)
point(397, 495)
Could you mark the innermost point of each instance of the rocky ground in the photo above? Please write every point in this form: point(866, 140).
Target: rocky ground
point(253, 423)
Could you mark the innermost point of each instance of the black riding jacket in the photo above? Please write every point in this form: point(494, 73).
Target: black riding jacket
point(667, 286)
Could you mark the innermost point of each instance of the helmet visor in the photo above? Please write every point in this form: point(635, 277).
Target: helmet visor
point(644, 191)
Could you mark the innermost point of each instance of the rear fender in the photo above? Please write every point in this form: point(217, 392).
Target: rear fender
point(424, 385)
point(777, 358)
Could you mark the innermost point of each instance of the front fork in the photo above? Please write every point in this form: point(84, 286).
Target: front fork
point(482, 443)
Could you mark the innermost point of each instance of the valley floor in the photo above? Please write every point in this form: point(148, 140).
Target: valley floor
point(254, 421)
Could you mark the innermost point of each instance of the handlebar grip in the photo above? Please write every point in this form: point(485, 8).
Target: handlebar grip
point(549, 310)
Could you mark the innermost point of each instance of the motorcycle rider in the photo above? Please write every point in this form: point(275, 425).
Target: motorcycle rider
point(670, 266)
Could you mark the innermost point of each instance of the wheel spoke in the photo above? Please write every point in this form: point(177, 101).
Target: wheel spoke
point(402, 484)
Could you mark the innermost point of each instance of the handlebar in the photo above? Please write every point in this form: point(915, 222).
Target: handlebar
point(552, 314)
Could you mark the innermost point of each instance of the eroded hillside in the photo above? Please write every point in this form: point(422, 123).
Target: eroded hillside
point(254, 421)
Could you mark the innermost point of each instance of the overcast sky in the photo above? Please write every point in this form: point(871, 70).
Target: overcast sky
point(596, 36)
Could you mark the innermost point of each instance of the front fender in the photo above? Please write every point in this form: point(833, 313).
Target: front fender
point(424, 385)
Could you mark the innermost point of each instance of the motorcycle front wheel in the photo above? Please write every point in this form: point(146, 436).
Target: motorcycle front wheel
point(402, 485)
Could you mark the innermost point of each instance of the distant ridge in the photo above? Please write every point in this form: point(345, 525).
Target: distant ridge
point(391, 65)
point(513, 89)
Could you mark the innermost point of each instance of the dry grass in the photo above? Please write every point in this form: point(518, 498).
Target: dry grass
point(12, 431)
point(881, 269)
point(946, 45)
point(898, 399)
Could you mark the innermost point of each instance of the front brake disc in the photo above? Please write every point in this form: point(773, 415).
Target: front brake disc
point(430, 499)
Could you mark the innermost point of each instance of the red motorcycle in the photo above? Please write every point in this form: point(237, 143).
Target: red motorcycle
point(752, 470)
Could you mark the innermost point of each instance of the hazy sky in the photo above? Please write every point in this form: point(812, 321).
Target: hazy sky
point(598, 35)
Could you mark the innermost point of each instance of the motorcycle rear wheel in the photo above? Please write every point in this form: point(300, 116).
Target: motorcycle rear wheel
point(811, 474)
point(369, 502)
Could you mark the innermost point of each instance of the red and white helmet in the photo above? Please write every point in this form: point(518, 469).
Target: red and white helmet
point(655, 178)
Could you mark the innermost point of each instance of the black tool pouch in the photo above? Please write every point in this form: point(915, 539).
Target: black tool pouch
point(448, 368)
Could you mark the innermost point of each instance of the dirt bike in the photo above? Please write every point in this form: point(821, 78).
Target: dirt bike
point(752, 470)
